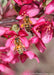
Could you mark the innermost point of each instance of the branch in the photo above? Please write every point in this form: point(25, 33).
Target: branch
point(8, 22)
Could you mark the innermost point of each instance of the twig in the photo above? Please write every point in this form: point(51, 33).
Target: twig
point(8, 22)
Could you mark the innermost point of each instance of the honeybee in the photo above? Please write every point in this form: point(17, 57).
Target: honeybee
point(27, 23)
point(19, 46)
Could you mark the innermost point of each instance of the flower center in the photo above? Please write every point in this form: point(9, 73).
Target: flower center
point(19, 46)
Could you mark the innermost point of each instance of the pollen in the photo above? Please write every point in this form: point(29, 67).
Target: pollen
point(22, 25)
point(37, 30)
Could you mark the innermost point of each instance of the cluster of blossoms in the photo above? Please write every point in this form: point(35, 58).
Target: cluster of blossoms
point(32, 19)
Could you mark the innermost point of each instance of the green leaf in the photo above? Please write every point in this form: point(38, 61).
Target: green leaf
point(15, 28)
point(48, 1)
point(4, 2)
point(12, 1)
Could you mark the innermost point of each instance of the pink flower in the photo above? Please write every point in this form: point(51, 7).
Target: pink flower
point(6, 32)
point(31, 10)
point(26, 18)
point(38, 43)
point(6, 69)
point(6, 55)
point(50, 8)
point(24, 56)
point(19, 46)
point(43, 30)
point(24, 24)
point(22, 2)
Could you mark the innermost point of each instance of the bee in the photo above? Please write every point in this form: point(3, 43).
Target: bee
point(27, 23)
point(19, 46)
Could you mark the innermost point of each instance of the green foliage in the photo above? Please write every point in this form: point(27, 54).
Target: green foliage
point(4, 2)
point(15, 28)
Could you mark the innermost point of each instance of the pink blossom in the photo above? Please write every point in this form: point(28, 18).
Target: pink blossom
point(38, 43)
point(32, 21)
point(27, 9)
point(10, 43)
point(21, 2)
point(6, 69)
point(2, 30)
point(6, 55)
point(6, 32)
point(22, 33)
point(25, 14)
point(50, 8)
point(22, 54)
point(43, 30)
point(33, 40)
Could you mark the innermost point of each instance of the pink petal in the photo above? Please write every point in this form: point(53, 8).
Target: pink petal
point(11, 33)
point(8, 43)
point(19, 17)
point(27, 9)
point(4, 49)
point(18, 2)
point(24, 41)
point(33, 40)
point(40, 45)
point(15, 59)
point(23, 57)
point(50, 7)
point(2, 67)
point(2, 31)
point(12, 46)
point(6, 70)
point(35, 31)
point(30, 54)
point(10, 57)
point(22, 33)
point(47, 35)
point(41, 19)
point(34, 11)
point(33, 20)
point(35, 56)
point(29, 1)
